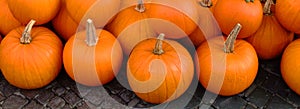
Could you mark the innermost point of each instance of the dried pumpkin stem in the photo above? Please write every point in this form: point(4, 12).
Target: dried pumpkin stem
point(91, 37)
point(267, 7)
point(229, 43)
point(26, 35)
point(250, 1)
point(158, 45)
point(206, 3)
point(140, 7)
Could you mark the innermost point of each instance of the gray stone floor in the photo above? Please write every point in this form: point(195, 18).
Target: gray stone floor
point(268, 91)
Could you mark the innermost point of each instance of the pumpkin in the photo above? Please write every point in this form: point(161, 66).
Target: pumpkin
point(207, 27)
point(248, 13)
point(139, 26)
point(41, 10)
point(92, 57)
point(63, 23)
point(173, 16)
point(290, 67)
point(30, 56)
point(290, 8)
point(226, 68)
point(101, 11)
point(210, 4)
point(271, 38)
point(159, 70)
point(9, 22)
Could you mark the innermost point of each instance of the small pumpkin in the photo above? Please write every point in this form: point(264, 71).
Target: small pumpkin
point(9, 22)
point(226, 69)
point(92, 57)
point(159, 70)
point(248, 13)
point(63, 23)
point(287, 13)
point(41, 10)
point(271, 38)
point(290, 66)
point(101, 11)
point(30, 57)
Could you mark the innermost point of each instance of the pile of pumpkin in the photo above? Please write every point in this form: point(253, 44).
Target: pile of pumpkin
point(228, 38)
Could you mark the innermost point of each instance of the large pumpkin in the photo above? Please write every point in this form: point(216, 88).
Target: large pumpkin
point(30, 57)
point(92, 57)
point(248, 13)
point(232, 70)
point(271, 38)
point(63, 23)
point(159, 70)
point(101, 11)
point(287, 13)
point(9, 22)
point(290, 66)
point(41, 10)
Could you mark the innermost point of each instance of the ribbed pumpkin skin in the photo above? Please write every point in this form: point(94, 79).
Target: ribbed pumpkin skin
point(287, 13)
point(107, 58)
point(101, 11)
point(240, 67)
point(290, 66)
point(64, 24)
point(33, 65)
point(9, 22)
point(230, 12)
point(178, 66)
point(40, 10)
point(270, 39)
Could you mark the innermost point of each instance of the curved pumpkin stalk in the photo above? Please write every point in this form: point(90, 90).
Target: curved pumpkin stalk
point(26, 37)
point(140, 6)
point(267, 7)
point(229, 43)
point(158, 45)
point(91, 37)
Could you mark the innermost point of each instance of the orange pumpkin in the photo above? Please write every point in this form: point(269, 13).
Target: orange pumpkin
point(271, 38)
point(41, 10)
point(9, 22)
point(64, 25)
point(287, 13)
point(101, 11)
point(290, 67)
point(30, 57)
point(224, 70)
point(248, 13)
point(159, 70)
point(92, 57)
point(207, 27)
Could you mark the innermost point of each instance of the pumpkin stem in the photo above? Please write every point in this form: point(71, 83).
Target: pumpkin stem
point(140, 6)
point(267, 7)
point(250, 1)
point(26, 35)
point(158, 45)
point(229, 43)
point(206, 3)
point(91, 37)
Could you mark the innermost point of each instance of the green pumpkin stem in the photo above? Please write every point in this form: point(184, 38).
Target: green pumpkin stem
point(158, 45)
point(91, 35)
point(206, 3)
point(140, 7)
point(267, 7)
point(26, 35)
point(229, 43)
